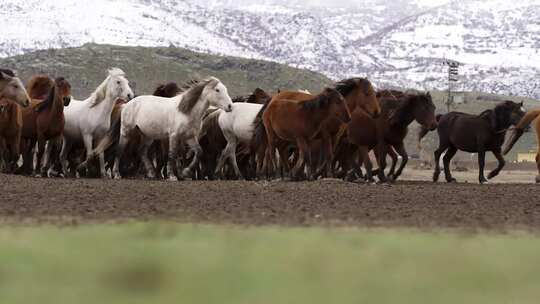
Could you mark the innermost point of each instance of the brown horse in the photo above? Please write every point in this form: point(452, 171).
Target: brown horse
point(298, 118)
point(44, 121)
point(387, 132)
point(520, 129)
point(476, 134)
point(11, 88)
point(10, 132)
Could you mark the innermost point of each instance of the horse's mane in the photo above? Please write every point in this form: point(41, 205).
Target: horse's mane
point(10, 73)
point(167, 90)
point(48, 102)
point(191, 93)
point(101, 91)
point(252, 98)
point(398, 106)
point(346, 86)
point(320, 101)
point(39, 85)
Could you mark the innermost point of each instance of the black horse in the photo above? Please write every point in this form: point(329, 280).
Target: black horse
point(475, 134)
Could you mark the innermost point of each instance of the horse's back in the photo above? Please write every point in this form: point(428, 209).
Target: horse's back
point(463, 131)
point(241, 120)
point(153, 115)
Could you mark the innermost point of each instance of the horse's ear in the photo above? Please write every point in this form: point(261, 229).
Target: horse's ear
point(521, 104)
point(428, 94)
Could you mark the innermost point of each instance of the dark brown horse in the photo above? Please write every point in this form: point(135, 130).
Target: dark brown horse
point(387, 133)
point(476, 134)
point(44, 121)
point(294, 117)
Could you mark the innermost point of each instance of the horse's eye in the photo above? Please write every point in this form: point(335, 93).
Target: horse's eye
point(217, 90)
point(16, 87)
point(118, 82)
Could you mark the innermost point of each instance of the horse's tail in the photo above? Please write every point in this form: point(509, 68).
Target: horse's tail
point(111, 138)
point(520, 129)
point(259, 135)
point(424, 131)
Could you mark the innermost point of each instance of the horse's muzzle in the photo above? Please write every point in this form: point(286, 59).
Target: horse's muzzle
point(228, 108)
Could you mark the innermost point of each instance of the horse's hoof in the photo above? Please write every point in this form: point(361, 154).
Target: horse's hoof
point(172, 178)
point(117, 177)
point(186, 173)
point(451, 180)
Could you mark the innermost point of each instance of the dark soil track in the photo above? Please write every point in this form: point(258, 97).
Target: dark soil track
point(419, 205)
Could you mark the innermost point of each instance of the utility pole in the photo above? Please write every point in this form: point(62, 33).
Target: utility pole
point(453, 74)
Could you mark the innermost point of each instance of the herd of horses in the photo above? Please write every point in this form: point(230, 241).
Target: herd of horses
point(198, 131)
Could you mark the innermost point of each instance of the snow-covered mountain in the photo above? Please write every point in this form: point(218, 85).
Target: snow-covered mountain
point(396, 43)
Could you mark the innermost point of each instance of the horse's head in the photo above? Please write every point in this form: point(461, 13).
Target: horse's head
point(63, 90)
point(168, 90)
point(338, 104)
point(359, 92)
point(217, 95)
point(118, 86)
point(39, 86)
point(508, 113)
point(424, 111)
point(259, 96)
point(13, 89)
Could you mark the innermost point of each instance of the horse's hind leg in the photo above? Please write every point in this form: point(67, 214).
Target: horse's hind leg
point(446, 161)
point(538, 165)
point(172, 158)
point(66, 147)
point(394, 158)
point(194, 146)
point(404, 159)
point(437, 159)
point(502, 162)
point(39, 159)
point(119, 152)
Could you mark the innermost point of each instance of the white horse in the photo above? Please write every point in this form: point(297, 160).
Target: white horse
point(11, 87)
point(89, 120)
point(178, 119)
point(237, 127)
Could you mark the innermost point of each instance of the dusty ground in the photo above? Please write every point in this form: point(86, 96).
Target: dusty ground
point(406, 204)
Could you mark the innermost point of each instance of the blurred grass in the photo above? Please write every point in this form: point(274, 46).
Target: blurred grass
point(179, 263)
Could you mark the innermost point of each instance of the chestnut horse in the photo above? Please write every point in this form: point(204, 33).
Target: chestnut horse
point(10, 132)
point(44, 121)
point(387, 132)
point(476, 134)
point(520, 129)
point(298, 117)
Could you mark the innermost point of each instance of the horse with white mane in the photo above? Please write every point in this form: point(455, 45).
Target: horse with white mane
point(177, 119)
point(87, 121)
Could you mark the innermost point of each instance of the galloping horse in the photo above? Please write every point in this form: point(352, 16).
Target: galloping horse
point(12, 96)
point(178, 119)
point(476, 134)
point(389, 130)
point(44, 121)
point(520, 129)
point(298, 117)
point(89, 120)
point(359, 95)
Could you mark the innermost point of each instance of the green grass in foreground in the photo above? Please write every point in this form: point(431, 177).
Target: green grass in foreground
point(173, 263)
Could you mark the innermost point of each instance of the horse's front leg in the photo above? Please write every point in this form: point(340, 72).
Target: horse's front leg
point(328, 156)
point(380, 152)
point(172, 158)
point(502, 162)
point(41, 150)
point(400, 149)
point(394, 158)
point(196, 148)
point(481, 162)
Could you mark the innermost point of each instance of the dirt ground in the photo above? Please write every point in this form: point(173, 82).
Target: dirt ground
point(417, 204)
